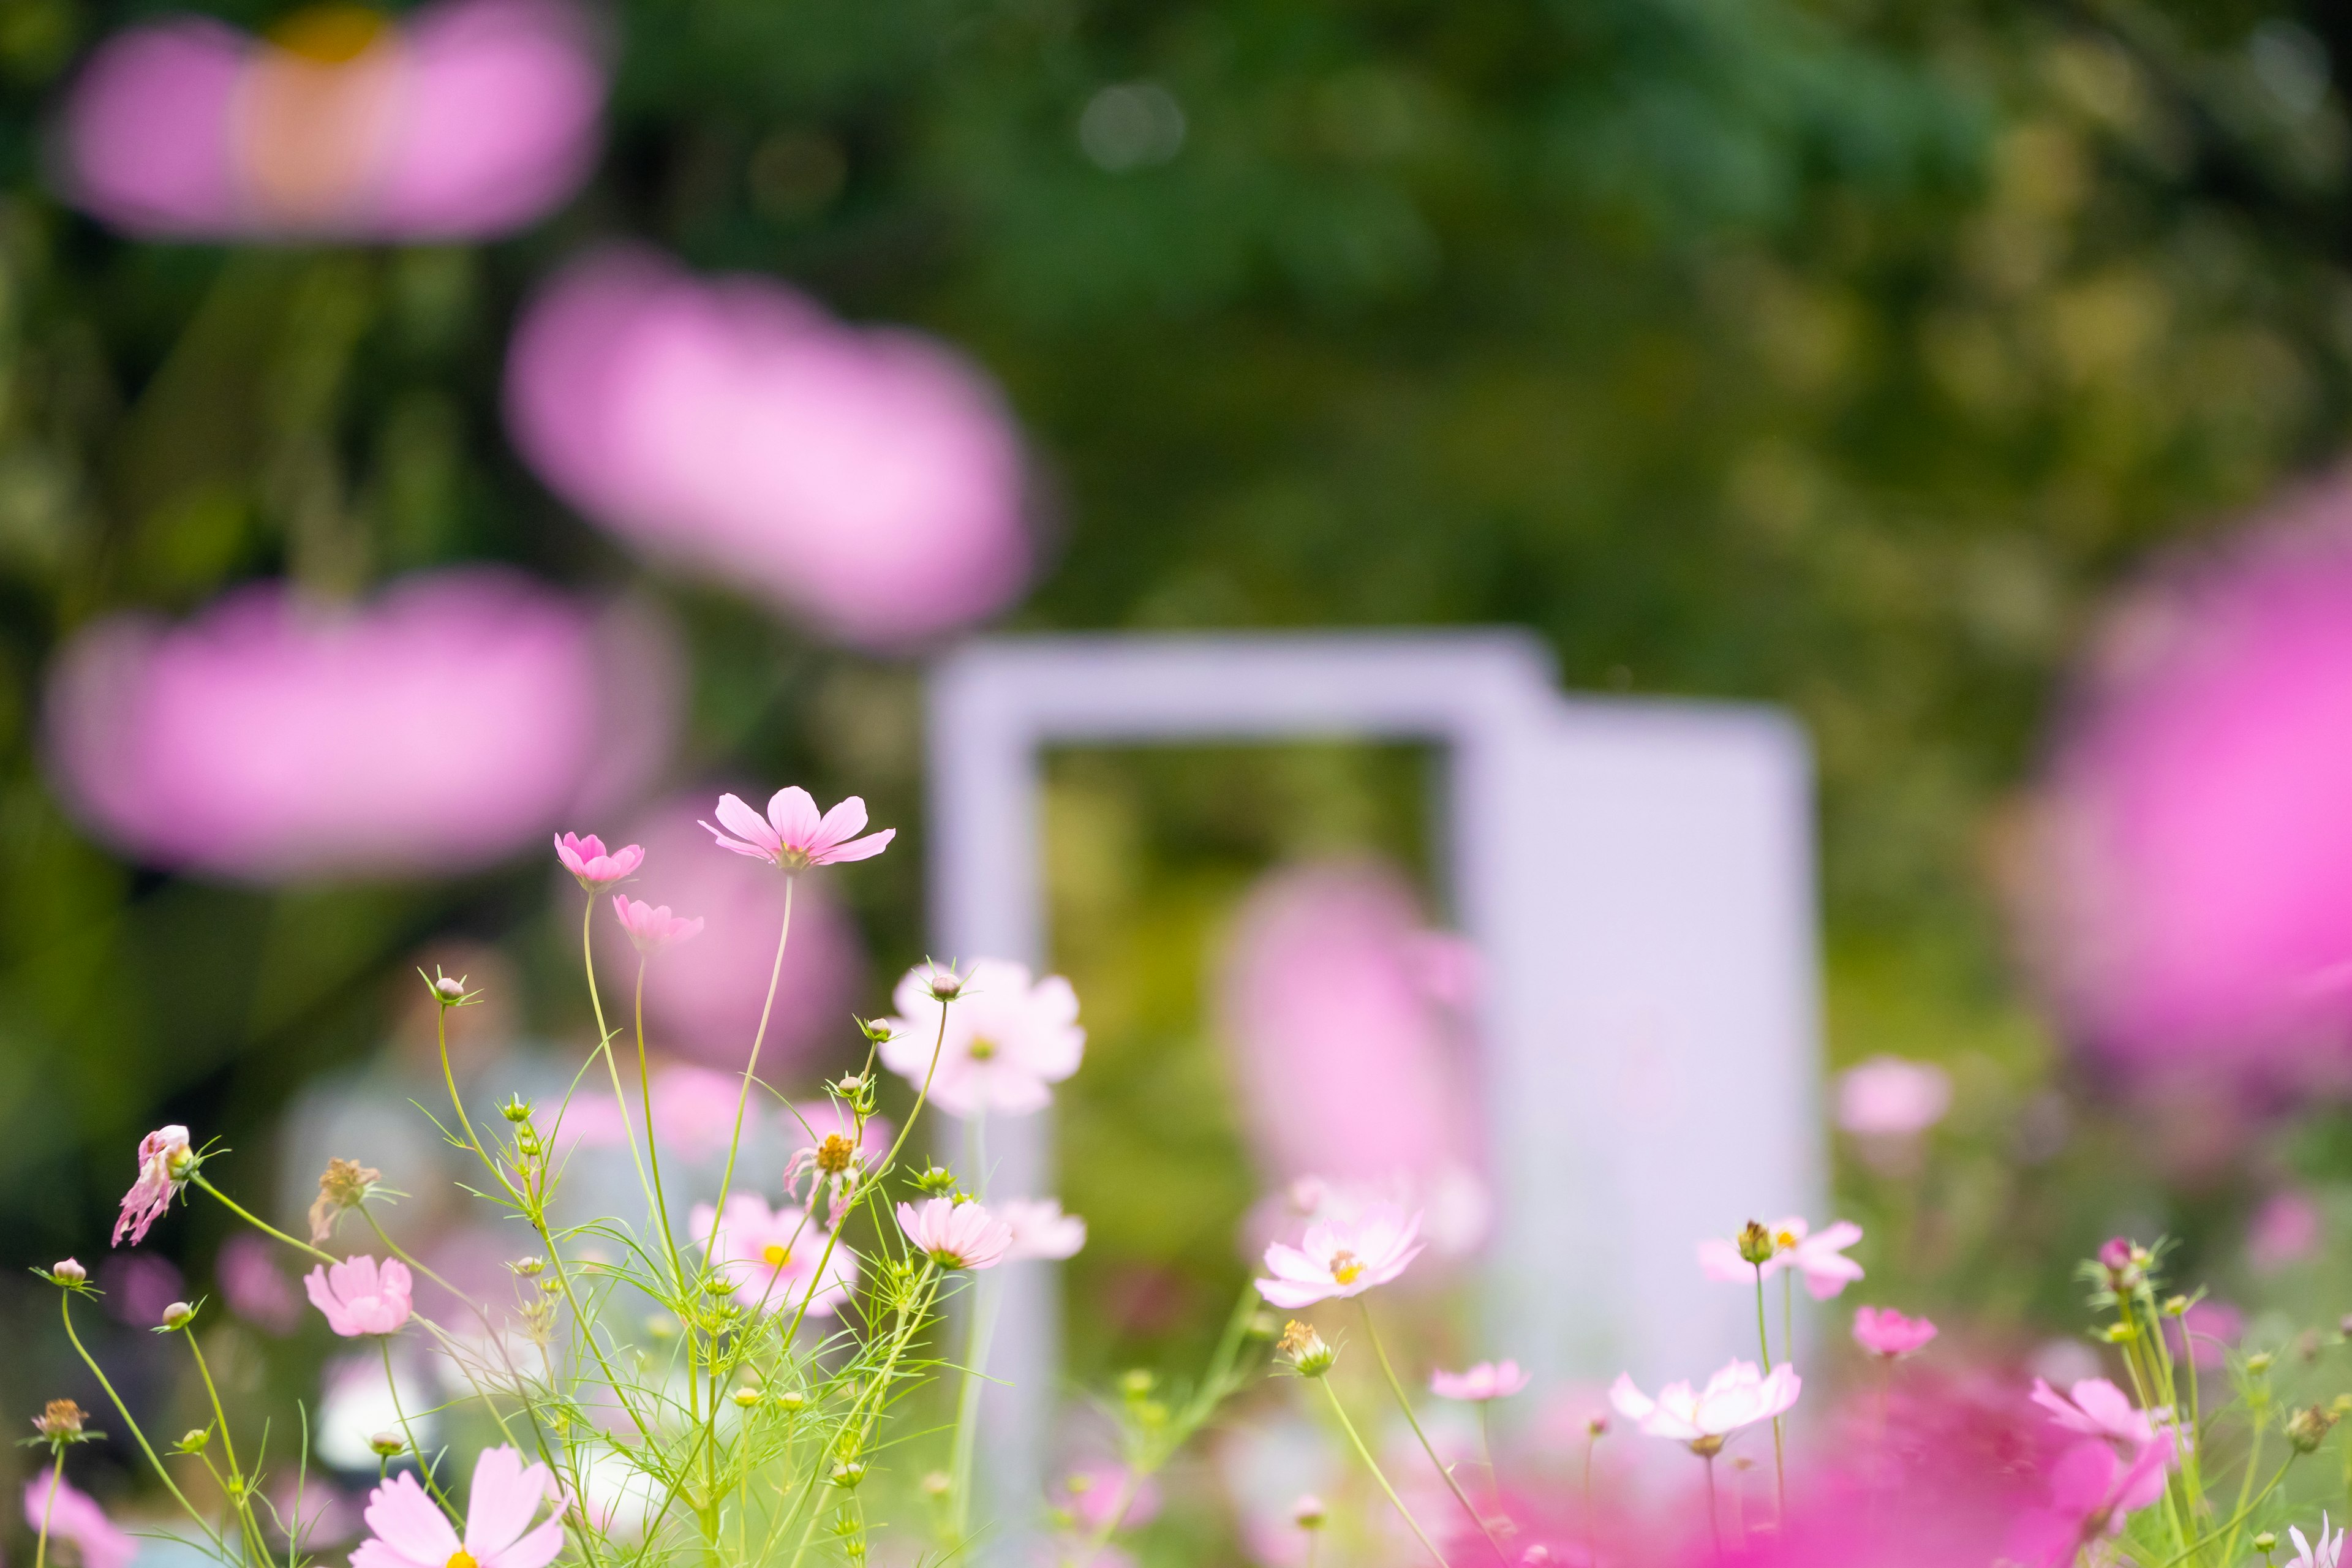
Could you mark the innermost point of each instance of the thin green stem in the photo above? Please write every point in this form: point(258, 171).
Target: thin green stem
point(2245, 1508)
point(239, 1492)
point(400, 1413)
point(605, 1047)
point(65, 1305)
point(984, 1301)
point(266, 1229)
point(1405, 1404)
point(1779, 1452)
point(653, 1152)
point(1373, 1465)
point(49, 1503)
point(1714, 1511)
point(751, 1066)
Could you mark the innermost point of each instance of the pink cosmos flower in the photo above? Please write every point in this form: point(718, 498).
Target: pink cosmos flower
point(954, 1235)
point(1090, 1491)
point(586, 860)
point(255, 1289)
point(1883, 1331)
point(1820, 1258)
point(1887, 1097)
point(793, 835)
point(2202, 1335)
point(773, 1256)
point(809, 1122)
point(694, 1113)
point(2097, 1408)
point(1336, 1260)
point(652, 926)
point(2093, 1490)
point(1735, 1397)
point(360, 1296)
point(163, 1158)
point(871, 482)
point(466, 119)
point(441, 726)
point(1041, 1230)
point(408, 1529)
point(1487, 1380)
point(74, 1515)
point(2328, 1551)
point(2286, 1228)
point(1005, 1040)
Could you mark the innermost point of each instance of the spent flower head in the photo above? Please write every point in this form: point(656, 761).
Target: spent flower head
point(1305, 1349)
point(343, 1184)
point(2308, 1427)
point(62, 1421)
point(167, 1164)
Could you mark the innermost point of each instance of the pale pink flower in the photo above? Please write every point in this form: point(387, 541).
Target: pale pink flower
point(1005, 1040)
point(163, 1158)
point(954, 1235)
point(773, 1255)
point(809, 1122)
point(75, 1516)
point(1337, 1258)
point(1090, 1491)
point(1887, 1097)
point(793, 835)
point(1883, 1331)
point(1735, 1397)
point(2328, 1551)
point(256, 1289)
point(1487, 1380)
point(2286, 1228)
point(694, 1112)
point(360, 1296)
point(2097, 1408)
point(652, 926)
point(409, 1531)
point(1819, 1259)
point(1041, 1230)
point(2093, 1490)
point(586, 860)
point(2202, 1334)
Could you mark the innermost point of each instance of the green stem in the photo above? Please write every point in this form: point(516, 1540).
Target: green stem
point(424, 1460)
point(1405, 1404)
point(2244, 1509)
point(48, 1503)
point(653, 1152)
point(605, 1047)
point(1373, 1465)
point(233, 1207)
point(65, 1305)
point(1779, 1458)
point(967, 1434)
point(751, 1066)
point(239, 1494)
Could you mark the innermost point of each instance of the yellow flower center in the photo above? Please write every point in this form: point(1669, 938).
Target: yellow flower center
point(982, 1049)
point(1784, 1240)
point(461, 1558)
point(775, 1254)
point(1346, 1265)
point(834, 1155)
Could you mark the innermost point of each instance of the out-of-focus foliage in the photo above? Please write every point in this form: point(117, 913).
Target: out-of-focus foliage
point(1833, 353)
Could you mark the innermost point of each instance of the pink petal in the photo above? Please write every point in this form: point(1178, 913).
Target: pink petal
point(405, 1520)
point(864, 848)
point(794, 815)
point(841, 823)
point(538, 1549)
point(1291, 1297)
point(505, 1496)
point(746, 825)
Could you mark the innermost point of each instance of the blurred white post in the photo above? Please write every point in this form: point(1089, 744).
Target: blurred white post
point(1636, 876)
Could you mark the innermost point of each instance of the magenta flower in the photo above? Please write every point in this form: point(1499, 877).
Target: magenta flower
point(1339, 1259)
point(360, 1296)
point(793, 835)
point(1487, 1380)
point(164, 1165)
point(75, 1516)
point(1819, 1259)
point(771, 1255)
point(2286, 1228)
point(407, 1529)
point(956, 1235)
point(441, 726)
point(871, 482)
point(465, 120)
point(1735, 1397)
point(590, 866)
point(652, 926)
point(2093, 1490)
point(1006, 1041)
point(2202, 1334)
point(1041, 1230)
point(2097, 1408)
point(1883, 1331)
point(1887, 1097)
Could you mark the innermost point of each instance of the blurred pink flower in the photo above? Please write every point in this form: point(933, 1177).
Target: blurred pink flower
point(360, 1296)
point(1487, 1380)
point(2203, 1333)
point(1819, 1258)
point(2093, 1490)
point(2096, 1408)
point(792, 837)
point(1005, 1040)
point(163, 1163)
point(703, 999)
point(256, 1289)
point(1089, 1492)
point(694, 1112)
point(954, 1235)
point(408, 1529)
point(868, 481)
point(138, 1286)
point(439, 727)
point(590, 866)
point(773, 1256)
point(1351, 1062)
point(466, 119)
point(1041, 1230)
point(652, 926)
point(2286, 1228)
point(1735, 1397)
point(1889, 1097)
point(1336, 1260)
point(1883, 1331)
point(73, 1516)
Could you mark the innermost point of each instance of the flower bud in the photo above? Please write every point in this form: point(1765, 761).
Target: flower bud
point(527, 1266)
point(2176, 1306)
point(848, 1473)
point(938, 1484)
point(1134, 1385)
point(1306, 1350)
point(515, 1108)
point(2126, 1262)
point(1596, 1425)
point(177, 1314)
point(1756, 1244)
point(936, 1181)
point(449, 990)
point(1307, 1513)
point(68, 1272)
point(718, 1284)
point(745, 1398)
point(2307, 1429)
point(945, 984)
point(877, 1031)
point(791, 1402)
point(2265, 1541)
point(2260, 1362)
point(384, 1444)
point(195, 1438)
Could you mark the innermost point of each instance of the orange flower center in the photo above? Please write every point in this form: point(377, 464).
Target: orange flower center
point(1346, 1265)
point(775, 1254)
point(1785, 1241)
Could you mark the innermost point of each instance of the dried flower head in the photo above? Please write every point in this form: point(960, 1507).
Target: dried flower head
point(60, 1422)
point(1305, 1349)
point(2307, 1429)
point(343, 1184)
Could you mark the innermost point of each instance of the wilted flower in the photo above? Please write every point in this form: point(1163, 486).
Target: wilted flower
point(954, 1235)
point(1883, 1331)
point(343, 1184)
point(652, 926)
point(792, 836)
point(771, 1255)
point(1735, 1397)
point(1335, 1258)
point(1487, 1380)
point(408, 1529)
point(590, 866)
point(1305, 1349)
point(360, 1296)
point(1004, 1040)
point(165, 1163)
point(60, 1421)
point(2308, 1427)
point(1041, 1230)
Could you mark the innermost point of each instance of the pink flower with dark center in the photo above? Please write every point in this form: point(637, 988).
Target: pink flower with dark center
point(74, 1515)
point(652, 926)
point(408, 1529)
point(1735, 1397)
point(164, 1165)
point(1336, 1260)
point(1487, 1380)
point(954, 1235)
point(586, 860)
point(1883, 1331)
point(773, 1255)
point(1819, 1259)
point(1041, 1230)
point(361, 1296)
point(2096, 1408)
point(1887, 1097)
point(2093, 1490)
point(1004, 1042)
point(793, 835)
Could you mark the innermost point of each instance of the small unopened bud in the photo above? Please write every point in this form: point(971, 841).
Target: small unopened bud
point(384, 1444)
point(718, 1284)
point(1134, 1385)
point(1306, 1350)
point(848, 1473)
point(937, 1182)
point(2260, 1362)
point(2120, 1334)
point(791, 1402)
point(1264, 1325)
point(1307, 1513)
point(449, 988)
point(2126, 1262)
point(1596, 1425)
point(177, 1314)
point(527, 1266)
point(67, 1271)
point(745, 1398)
point(1708, 1447)
point(2307, 1429)
point(938, 1484)
point(1756, 1244)
point(515, 1108)
point(2265, 1541)
point(193, 1439)
point(876, 1030)
point(945, 984)
point(2176, 1306)
point(551, 1286)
